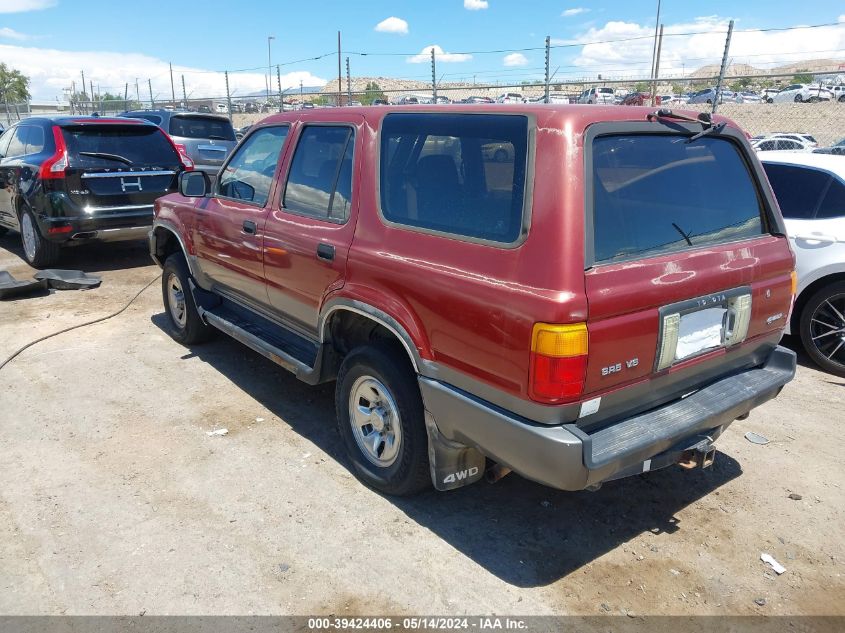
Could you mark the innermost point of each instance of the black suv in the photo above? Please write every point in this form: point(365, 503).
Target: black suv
point(72, 179)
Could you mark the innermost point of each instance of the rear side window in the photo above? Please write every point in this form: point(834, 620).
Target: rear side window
point(461, 174)
point(320, 179)
point(202, 127)
point(657, 194)
point(833, 203)
point(797, 189)
point(34, 139)
point(115, 146)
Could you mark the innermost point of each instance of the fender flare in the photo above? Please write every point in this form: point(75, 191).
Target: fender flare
point(191, 260)
point(339, 304)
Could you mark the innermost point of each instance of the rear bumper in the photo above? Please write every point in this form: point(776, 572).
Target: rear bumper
point(106, 224)
point(568, 458)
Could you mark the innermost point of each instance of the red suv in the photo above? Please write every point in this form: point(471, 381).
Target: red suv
point(602, 299)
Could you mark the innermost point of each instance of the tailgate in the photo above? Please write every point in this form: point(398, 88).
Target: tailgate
point(113, 165)
point(207, 139)
point(689, 264)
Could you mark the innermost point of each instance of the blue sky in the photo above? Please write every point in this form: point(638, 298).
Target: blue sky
point(139, 39)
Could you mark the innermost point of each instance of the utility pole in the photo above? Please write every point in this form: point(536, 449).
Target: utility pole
point(152, 101)
point(126, 96)
point(348, 84)
point(724, 66)
point(172, 87)
point(300, 91)
point(72, 96)
point(433, 77)
point(654, 47)
point(279, 83)
point(91, 84)
point(656, 67)
point(137, 93)
point(339, 82)
point(228, 96)
point(270, 38)
point(84, 96)
point(548, 52)
point(184, 94)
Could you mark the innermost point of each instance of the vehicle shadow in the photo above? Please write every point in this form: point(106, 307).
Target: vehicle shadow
point(524, 533)
point(95, 257)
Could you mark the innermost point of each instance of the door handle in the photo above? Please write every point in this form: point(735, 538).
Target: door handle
point(249, 227)
point(325, 252)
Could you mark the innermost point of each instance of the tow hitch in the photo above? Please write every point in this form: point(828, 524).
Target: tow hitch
point(700, 456)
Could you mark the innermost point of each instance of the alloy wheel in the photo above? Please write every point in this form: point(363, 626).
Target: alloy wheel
point(375, 421)
point(827, 329)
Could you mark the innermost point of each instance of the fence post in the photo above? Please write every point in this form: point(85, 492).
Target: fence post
point(548, 52)
point(228, 96)
point(152, 101)
point(279, 85)
point(81, 107)
point(723, 67)
point(184, 94)
point(433, 77)
point(348, 84)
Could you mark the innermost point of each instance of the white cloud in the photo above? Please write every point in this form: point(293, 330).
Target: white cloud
point(574, 11)
point(515, 59)
point(20, 6)
point(475, 5)
point(50, 71)
point(393, 25)
point(841, 18)
point(439, 54)
point(12, 34)
point(686, 53)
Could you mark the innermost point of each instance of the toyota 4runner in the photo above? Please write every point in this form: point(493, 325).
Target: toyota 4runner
point(602, 298)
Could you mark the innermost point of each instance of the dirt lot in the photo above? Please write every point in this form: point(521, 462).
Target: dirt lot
point(114, 500)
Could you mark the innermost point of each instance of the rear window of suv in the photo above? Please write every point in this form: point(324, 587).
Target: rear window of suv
point(655, 194)
point(118, 146)
point(459, 174)
point(202, 127)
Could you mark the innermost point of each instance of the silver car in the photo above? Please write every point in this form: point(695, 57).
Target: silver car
point(206, 139)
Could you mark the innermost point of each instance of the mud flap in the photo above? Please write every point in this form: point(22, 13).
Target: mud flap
point(452, 464)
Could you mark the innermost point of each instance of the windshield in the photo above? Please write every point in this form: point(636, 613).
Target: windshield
point(116, 146)
point(202, 127)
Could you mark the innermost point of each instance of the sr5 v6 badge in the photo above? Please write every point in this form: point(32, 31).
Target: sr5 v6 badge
point(613, 369)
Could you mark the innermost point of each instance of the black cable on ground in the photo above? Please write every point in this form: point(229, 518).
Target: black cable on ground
point(76, 327)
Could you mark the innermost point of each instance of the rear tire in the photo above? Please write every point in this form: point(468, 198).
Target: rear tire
point(380, 420)
point(3, 231)
point(821, 316)
point(183, 320)
point(37, 251)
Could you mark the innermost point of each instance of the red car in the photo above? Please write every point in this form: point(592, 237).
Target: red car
point(581, 310)
point(640, 99)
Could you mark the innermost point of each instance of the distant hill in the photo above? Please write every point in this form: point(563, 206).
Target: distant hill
point(736, 70)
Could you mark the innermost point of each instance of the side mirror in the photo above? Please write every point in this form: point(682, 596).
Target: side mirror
point(194, 184)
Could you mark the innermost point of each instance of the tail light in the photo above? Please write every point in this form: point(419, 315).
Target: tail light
point(182, 151)
point(558, 362)
point(55, 166)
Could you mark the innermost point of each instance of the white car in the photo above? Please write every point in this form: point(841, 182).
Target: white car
point(810, 189)
point(597, 95)
point(509, 97)
point(796, 136)
point(838, 92)
point(800, 93)
point(766, 94)
point(748, 97)
point(776, 144)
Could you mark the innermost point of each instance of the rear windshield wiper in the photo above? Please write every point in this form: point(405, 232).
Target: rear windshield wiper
point(704, 119)
point(117, 157)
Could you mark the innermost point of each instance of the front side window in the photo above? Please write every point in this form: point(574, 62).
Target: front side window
point(656, 194)
point(458, 174)
point(249, 174)
point(320, 179)
point(797, 189)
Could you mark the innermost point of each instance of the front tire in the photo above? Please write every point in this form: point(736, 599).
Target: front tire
point(380, 420)
point(798, 99)
point(37, 251)
point(822, 328)
point(183, 320)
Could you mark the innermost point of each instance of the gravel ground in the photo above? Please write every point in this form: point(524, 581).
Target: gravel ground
point(114, 500)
